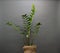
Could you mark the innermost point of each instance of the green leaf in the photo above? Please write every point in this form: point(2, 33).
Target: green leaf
point(38, 23)
point(17, 28)
point(9, 23)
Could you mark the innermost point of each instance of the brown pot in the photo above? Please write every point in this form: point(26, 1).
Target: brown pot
point(30, 49)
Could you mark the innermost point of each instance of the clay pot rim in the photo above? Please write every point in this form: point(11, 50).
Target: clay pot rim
point(30, 46)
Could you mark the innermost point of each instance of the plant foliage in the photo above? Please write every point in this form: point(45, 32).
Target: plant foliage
point(27, 30)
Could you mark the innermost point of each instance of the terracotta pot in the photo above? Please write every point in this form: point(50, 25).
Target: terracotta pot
point(30, 49)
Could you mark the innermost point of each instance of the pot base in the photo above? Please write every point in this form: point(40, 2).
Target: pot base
point(30, 49)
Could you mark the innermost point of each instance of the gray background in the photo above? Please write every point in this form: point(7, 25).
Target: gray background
point(47, 12)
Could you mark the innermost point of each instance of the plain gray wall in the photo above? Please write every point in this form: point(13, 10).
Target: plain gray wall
point(58, 27)
point(46, 12)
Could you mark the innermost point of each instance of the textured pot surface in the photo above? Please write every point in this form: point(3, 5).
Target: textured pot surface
point(30, 49)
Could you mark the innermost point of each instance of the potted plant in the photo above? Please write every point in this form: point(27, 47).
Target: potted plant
point(28, 30)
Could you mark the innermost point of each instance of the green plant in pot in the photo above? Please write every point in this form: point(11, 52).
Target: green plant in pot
point(28, 30)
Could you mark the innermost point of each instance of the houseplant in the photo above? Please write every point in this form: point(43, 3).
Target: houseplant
point(28, 30)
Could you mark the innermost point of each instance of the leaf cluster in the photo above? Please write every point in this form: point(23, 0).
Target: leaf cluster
point(27, 30)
